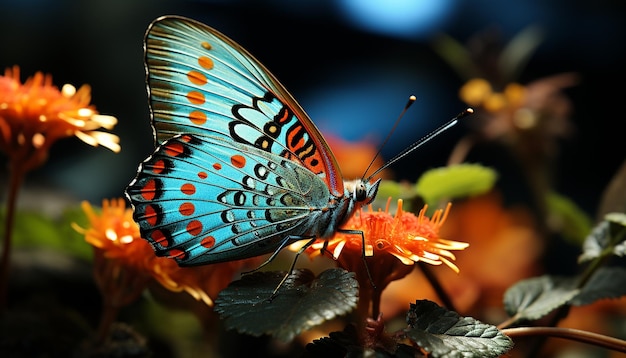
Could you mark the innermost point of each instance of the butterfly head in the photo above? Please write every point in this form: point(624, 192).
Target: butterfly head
point(362, 192)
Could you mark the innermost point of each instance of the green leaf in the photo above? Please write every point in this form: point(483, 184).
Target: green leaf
point(572, 222)
point(456, 181)
point(457, 56)
point(445, 334)
point(302, 302)
point(607, 238)
point(607, 282)
point(534, 298)
point(36, 230)
point(518, 51)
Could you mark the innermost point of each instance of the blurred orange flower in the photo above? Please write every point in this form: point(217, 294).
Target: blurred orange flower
point(538, 110)
point(355, 157)
point(35, 114)
point(506, 247)
point(121, 256)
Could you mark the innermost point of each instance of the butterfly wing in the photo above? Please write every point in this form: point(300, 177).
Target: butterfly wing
point(203, 83)
point(198, 200)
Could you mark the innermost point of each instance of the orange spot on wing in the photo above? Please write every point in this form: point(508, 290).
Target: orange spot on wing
point(177, 254)
point(188, 188)
point(159, 238)
point(186, 209)
point(238, 161)
point(148, 191)
point(205, 62)
point(196, 77)
point(195, 97)
point(197, 117)
point(173, 149)
point(217, 166)
point(194, 227)
point(202, 175)
point(284, 117)
point(158, 167)
point(206, 45)
point(150, 215)
point(208, 242)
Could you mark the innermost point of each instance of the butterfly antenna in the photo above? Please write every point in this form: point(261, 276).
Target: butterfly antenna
point(412, 99)
point(425, 139)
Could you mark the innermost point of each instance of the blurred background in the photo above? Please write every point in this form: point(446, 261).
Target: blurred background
point(350, 63)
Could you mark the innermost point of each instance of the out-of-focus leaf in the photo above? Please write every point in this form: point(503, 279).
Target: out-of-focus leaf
point(456, 55)
point(35, 230)
point(607, 238)
point(390, 188)
point(456, 181)
point(302, 302)
point(445, 334)
point(607, 282)
point(534, 298)
point(568, 218)
point(616, 218)
point(614, 196)
point(518, 51)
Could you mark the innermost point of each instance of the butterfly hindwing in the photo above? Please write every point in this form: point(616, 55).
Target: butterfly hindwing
point(200, 200)
point(203, 83)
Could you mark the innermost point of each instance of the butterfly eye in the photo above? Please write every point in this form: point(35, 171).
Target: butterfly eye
point(360, 193)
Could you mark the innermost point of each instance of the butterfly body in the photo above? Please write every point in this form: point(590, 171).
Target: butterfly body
point(239, 170)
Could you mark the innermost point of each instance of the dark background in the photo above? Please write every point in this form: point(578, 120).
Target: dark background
point(352, 80)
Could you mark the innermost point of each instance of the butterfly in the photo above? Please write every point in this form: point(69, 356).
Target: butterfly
point(239, 170)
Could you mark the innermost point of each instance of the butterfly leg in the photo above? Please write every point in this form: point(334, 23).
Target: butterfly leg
point(283, 244)
point(367, 269)
point(293, 264)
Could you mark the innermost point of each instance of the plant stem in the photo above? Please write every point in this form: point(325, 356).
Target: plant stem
point(436, 285)
point(16, 176)
point(571, 334)
point(109, 315)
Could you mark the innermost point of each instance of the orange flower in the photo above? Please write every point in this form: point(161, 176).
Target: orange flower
point(36, 114)
point(506, 247)
point(393, 243)
point(121, 253)
point(404, 236)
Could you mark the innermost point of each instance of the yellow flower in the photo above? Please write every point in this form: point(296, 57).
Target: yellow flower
point(123, 258)
point(35, 114)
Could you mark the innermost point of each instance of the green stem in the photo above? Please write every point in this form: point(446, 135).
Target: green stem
point(16, 176)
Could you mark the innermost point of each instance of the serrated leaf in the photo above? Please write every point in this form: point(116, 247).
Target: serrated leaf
point(302, 302)
point(456, 181)
point(445, 334)
point(607, 238)
point(607, 282)
point(534, 298)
